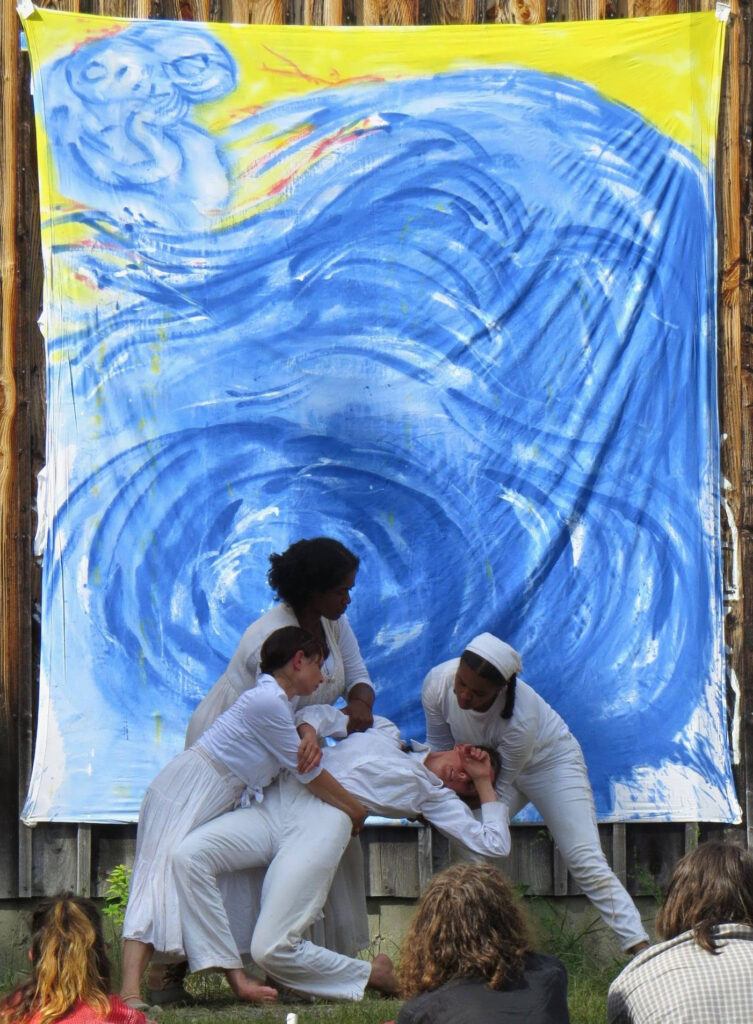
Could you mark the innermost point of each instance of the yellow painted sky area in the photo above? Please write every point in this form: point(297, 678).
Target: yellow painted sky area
point(666, 68)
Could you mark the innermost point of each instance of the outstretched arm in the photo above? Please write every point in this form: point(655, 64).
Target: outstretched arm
point(328, 789)
point(452, 817)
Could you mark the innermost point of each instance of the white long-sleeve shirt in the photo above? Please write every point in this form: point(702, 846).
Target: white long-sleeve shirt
point(394, 783)
point(342, 668)
point(530, 736)
point(256, 737)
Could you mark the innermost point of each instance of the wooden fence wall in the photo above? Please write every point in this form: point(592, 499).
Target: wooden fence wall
point(398, 860)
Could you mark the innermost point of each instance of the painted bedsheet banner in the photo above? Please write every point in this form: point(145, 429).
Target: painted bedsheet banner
point(447, 294)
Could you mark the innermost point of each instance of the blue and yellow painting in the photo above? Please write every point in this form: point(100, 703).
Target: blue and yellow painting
point(447, 294)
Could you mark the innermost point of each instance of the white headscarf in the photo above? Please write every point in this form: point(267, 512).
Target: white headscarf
point(497, 653)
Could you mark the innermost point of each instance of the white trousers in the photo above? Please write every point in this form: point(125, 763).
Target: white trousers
point(560, 791)
point(301, 839)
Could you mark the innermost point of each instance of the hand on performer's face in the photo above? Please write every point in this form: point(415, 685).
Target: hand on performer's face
point(476, 762)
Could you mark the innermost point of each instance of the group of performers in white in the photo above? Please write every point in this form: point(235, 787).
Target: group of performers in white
point(244, 849)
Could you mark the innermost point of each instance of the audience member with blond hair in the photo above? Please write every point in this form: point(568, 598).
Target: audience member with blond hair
point(702, 973)
point(468, 956)
point(70, 978)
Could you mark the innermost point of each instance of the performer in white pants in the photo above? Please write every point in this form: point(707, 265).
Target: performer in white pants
point(313, 579)
point(302, 841)
point(478, 698)
point(247, 746)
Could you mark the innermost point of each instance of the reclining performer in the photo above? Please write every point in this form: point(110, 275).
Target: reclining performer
point(301, 839)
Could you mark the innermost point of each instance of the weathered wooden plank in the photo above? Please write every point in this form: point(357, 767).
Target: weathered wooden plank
point(72, 6)
point(559, 873)
point(649, 8)
point(386, 12)
point(118, 8)
point(84, 860)
point(425, 856)
point(391, 862)
point(315, 12)
point(691, 835)
point(181, 10)
point(584, 10)
point(652, 852)
point(619, 851)
point(449, 12)
point(111, 845)
point(54, 859)
point(253, 12)
point(745, 68)
point(11, 607)
point(728, 204)
point(518, 12)
point(530, 860)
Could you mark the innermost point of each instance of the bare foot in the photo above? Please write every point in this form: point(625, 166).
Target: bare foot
point(382, 977)
point(249, 989)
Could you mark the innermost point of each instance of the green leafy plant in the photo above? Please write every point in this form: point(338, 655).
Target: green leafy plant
point(116, 894)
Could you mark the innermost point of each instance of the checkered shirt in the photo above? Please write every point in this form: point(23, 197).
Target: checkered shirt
point(678, 982)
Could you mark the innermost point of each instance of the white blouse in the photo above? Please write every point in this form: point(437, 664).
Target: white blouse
point(342, 669)
point(526, 739)
point(256, 737)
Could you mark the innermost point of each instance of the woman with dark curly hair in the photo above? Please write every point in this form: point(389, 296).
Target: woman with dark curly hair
point(313, 580)
point(468, 957)
point(703, 970)
point(70, 979)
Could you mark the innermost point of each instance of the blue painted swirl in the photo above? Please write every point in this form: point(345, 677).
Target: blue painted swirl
point(474, 342)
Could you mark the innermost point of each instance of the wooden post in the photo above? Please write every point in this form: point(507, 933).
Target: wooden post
point(649, 8)
point(744, 654)
point(386, 12)
point(730, 359)
point(253, 12)
point(316, 12)
point(585, 10)
point(519, 12)
point(450, 12)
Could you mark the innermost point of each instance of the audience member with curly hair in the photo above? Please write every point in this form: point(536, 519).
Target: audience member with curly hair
point(702, 972)
point(468, 957)
point(70, 978)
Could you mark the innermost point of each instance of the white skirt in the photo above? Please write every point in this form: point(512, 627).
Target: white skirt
point(187, 792)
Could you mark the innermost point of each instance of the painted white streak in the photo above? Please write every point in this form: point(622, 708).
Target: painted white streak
point(577, 536)
point(732, 593)
point(734, 684)
point(394, 640)
point(49, 772)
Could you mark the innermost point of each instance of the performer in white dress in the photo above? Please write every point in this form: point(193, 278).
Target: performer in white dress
point(313, 578)
point(391, 779)
point(478, 698)
point(245, 748)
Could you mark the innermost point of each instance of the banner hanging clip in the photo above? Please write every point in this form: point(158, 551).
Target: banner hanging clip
point(722, 10)
point(25, 9)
